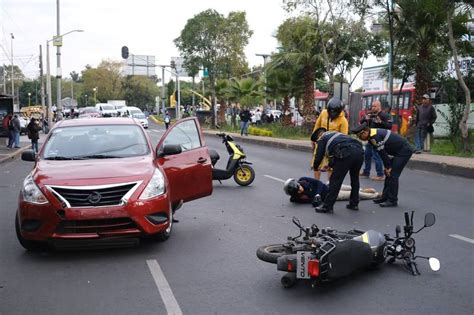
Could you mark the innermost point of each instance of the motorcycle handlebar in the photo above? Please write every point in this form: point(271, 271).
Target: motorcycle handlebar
point(407, 219)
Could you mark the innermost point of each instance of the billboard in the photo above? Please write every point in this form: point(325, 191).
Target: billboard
point(375, 79)
point(139, 65)
point(179, 64)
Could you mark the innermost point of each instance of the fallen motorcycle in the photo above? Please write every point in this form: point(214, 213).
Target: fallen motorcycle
point(327, 254)
point(237, 165)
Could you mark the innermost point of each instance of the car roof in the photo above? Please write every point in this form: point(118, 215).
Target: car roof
point(96, 121)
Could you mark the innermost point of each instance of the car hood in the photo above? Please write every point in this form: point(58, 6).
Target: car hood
point(94, 171)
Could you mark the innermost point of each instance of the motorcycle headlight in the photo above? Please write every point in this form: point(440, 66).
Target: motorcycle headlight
point(155, 187)
point(31, 193)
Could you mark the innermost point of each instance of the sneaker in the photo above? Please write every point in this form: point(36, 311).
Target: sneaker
point(377, 178)
point(388, 204)
point(362, 174)
point(352, 207)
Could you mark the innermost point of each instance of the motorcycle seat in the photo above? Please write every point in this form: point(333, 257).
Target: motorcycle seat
point(214, 156)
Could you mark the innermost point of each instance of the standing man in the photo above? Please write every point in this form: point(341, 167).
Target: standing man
point(8, 126)
point(425, 118)
point(16, 125)
point(375, 118)
point(244, 121)
point(345, 155)
point(33, 129)
point(386, 142)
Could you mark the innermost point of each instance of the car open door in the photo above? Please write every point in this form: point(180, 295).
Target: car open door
point(189, 173)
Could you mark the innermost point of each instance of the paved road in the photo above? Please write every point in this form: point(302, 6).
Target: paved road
point(210, 263)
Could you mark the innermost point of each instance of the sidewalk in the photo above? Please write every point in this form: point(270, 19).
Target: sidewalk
point(448, 165)
point(7, 154)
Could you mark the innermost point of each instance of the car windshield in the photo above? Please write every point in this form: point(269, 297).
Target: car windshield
point(119, 106)
point(90, 110)
point(96, 142)
point(138, 116)
point(107, 107)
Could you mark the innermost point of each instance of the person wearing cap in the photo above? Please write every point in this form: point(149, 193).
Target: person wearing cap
point(346, 155)
point(387, 143)
point(333, 119)
point(425, 118)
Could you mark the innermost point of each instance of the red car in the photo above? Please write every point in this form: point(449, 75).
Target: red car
point(98, 181)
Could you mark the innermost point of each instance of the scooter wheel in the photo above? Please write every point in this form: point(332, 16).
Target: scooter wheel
point(244, 175)
point(288, 280)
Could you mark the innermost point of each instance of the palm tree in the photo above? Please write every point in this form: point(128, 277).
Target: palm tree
point(222, 94)
point(246, 91)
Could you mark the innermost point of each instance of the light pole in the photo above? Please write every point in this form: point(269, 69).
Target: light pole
point(29, 99)
point(265, 56)
point(48, 79)
point(12, 72)
point(87, 100)
point(95, 95)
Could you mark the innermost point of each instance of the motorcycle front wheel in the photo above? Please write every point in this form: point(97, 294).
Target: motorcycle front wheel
point(270, 253)
point(244, 175)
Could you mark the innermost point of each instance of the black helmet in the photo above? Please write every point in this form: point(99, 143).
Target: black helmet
point(334, 107)
point(291, 187)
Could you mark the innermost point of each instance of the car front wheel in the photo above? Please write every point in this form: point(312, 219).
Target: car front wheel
point(163, 236)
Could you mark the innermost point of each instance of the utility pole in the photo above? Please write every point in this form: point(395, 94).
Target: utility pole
point(42, 81)
point(48, 87)
point(265, 56)
point(58, 70)
point(163, 90)
point(4, 80)
point(12, 72)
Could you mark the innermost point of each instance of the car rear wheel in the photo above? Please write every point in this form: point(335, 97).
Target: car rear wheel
point(28, 244)
point(163, 236)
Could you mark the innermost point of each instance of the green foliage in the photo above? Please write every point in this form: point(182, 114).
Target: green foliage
point(245, 91)
point(140, 91)
point(106, 78)
point(255, 131)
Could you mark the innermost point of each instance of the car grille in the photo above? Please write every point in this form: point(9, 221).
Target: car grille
point(95, 226)
point(94, 196)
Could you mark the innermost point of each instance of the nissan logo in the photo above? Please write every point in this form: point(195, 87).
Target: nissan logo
point(94, 198)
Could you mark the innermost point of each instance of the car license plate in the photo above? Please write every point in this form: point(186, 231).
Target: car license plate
point(302, 259)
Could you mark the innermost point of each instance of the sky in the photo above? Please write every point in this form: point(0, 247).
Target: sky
point(147, 27)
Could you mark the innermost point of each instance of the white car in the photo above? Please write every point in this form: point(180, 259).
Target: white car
point(141, 118)
point(131, 110)
point(106, 110)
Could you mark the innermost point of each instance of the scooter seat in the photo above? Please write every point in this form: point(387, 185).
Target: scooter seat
point(214, 156)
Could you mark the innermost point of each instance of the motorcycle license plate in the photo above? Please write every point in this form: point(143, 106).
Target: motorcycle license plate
point(302, 259)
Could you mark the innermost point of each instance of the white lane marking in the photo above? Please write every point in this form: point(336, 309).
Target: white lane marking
point(275, 178)
point(172, 306)
point(462, 238)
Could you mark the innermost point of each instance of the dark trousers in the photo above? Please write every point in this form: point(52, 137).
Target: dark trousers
point(351, 164)
point(11, 138)
point(390, 187)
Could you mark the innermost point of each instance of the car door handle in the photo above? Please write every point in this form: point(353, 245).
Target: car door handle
point(201, 160)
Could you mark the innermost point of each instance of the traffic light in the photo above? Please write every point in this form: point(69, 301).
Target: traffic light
point(125, 52)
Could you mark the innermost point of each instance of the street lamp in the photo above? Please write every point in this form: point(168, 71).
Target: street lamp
point(29, 99)
point(95, 95)
point(87, 100)
point(48, 79)
point(265, 56)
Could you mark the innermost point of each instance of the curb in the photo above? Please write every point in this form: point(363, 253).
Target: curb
point(156, 121)
point(14, 154)
point(435, 167)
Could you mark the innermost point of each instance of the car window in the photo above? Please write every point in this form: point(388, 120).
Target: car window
point(185, 134)
point(96, 141)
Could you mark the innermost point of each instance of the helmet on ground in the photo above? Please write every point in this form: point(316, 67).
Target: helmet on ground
point(334, 107)
point(291, 187)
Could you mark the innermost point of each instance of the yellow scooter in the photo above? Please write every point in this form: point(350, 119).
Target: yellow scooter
point(237, 166)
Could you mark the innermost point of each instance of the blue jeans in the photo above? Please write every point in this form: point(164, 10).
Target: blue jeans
point(420, 136)
point(16, 135)
point(370, 153)
point(243, 128)
point(34, 145)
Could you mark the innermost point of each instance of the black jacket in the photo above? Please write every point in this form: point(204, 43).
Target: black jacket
point(394, 145)
point(312, 187)
point(245, 115)
point(386, 121)
point(338, 148)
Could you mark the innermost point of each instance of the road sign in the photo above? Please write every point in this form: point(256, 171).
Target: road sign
point(57, 41)
point(179, 66)
point(205, 73)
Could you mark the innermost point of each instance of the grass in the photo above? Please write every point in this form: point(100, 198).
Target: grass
point(444, 146)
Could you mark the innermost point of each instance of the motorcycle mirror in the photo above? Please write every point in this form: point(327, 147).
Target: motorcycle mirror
point(434, 263)
point(430, 219)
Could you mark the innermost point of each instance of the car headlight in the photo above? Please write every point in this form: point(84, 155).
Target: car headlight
point(31, 193)
point(155, 187)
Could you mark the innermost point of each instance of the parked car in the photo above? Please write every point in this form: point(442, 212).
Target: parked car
point(100, 180)
point(141, 118)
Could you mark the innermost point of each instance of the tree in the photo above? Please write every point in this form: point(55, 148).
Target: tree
point(210, 39)
point(247, 91)
point(106, 78)
point(18, 76)
point(464, 15)
point(140, 91)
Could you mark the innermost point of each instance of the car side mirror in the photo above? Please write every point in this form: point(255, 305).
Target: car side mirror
point(169, 149)
point(28, 155)
point(430, 219)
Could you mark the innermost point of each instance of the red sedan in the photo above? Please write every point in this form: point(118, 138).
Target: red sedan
point(97, 181)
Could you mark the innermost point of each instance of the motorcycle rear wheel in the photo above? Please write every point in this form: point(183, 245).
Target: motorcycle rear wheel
point(244, 175)
point(270, 253)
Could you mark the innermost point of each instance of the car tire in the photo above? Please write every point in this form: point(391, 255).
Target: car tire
point(28, 244)
point(163, 236)
point(271, 253)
